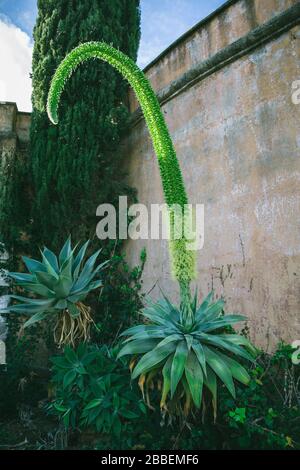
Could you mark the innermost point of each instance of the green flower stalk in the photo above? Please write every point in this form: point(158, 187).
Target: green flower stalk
point(183, 259)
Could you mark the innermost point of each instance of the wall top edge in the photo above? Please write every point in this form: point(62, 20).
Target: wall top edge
point(190, 32)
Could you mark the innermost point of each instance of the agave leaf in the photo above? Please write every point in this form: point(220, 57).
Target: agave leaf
point(158, 334)
point(237, 370)
point(213, 311)
point(178, 365)
point(33, 265)
point(61, 304)
point(166, 310)
point(27, 309)
point(77, 297)
point(39, 289)
point(137, 347)
point(169, 309)
point(198, 350)
point(80, 294)
point(152, 359)
point(195, 300)
point(203, 307)
point(22, 277)
point(52, 259)
point(220, 368)
point(152, 314)
point(240, 340)
point(166, 372)
point(31, 301)
point(133, 330)
point(24, 309)
point(47, 279)
point(226, 320)
point(95, 285)
point(78, 259)
point(87, 274)
point(189, 341)
point(48, 266)
point(170, 339)
point(89, 265)
point(35, 318)
point(194, 376)
point(65, 251)
point(96, 271)
point(215, 340)
point(211, 383)
point(63, 286)
point(66, 268)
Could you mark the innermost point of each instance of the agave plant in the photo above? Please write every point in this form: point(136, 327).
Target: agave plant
point(185, 343)
point(187, 355)
point(62, 283)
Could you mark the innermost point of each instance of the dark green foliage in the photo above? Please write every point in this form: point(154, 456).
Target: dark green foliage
point(15, 200)
point(18, 384)
point(76, 166)
point(71, 170)
point(120, 299)
point(265, 415)
point(93, 390)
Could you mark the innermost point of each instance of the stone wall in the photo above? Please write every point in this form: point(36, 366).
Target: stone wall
point(225, 90)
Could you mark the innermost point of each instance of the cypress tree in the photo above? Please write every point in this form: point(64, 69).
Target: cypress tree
point(76, 166)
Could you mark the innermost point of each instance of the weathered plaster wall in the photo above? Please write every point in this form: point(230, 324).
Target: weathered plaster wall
point(237, 137)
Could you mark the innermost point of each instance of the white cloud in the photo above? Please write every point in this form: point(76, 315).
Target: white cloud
point(15, 65)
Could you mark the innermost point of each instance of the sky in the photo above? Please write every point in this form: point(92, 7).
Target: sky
point(162, 22)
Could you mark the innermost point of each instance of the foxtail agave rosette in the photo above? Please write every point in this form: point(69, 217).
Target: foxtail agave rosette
point(62, 284)
point(187, 356)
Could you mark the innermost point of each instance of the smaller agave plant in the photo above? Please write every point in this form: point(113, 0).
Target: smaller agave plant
point(187, 352)
point(62, 284)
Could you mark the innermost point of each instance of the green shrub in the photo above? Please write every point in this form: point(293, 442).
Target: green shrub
point(18, 384)
point(93, 390)
point(264, 416)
